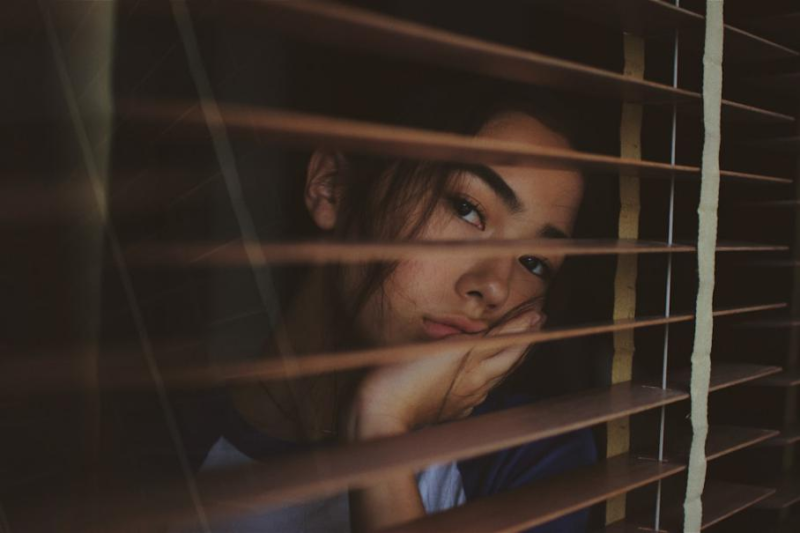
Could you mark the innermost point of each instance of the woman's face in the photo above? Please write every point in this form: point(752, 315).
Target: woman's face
point(433, 298)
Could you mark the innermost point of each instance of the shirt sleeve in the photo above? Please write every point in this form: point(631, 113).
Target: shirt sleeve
point(531, 462)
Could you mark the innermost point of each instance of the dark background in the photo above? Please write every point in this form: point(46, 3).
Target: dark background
point(64, 448)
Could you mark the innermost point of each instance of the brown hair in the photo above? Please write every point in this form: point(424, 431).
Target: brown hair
point(393, 199)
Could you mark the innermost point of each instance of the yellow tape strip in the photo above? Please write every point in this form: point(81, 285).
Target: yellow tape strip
point(618, 431)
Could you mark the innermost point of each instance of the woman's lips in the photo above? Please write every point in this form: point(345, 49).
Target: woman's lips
point(440, 327)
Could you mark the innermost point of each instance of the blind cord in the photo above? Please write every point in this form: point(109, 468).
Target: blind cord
point(668, 287)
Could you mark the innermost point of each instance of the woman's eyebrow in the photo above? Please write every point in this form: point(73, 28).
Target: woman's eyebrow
point(495, 182)
point(549, 231)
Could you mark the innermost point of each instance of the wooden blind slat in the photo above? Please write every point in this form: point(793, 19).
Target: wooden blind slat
point(27, 375)
point(255, 488)
point(274, 368)
point(787, 437)
point(724, 375)
point(783, 379)
point(721, 440)
point(784, 497)
point(721, 500)
point(331, 470)
point(736, 111)
point(546, 500)
point(744, 176)
point(313, 131)
point(543, 501)
point(780, 27)
point(659, 19)
point(364, 30)
point(723, 246)
point(183, 255)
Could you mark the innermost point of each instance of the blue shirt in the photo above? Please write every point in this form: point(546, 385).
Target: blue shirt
point(441, 486)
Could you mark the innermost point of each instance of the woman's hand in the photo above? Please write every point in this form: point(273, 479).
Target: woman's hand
point(396, 398)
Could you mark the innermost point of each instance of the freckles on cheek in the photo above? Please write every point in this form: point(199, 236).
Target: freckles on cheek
point(403, 284)
point(420, 284)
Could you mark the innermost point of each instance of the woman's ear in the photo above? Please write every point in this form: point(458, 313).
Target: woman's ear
point(323, 180)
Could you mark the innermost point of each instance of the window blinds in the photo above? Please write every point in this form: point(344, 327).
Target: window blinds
point(147, 268)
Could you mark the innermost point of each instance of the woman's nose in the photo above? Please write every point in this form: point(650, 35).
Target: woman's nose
point(487, 281)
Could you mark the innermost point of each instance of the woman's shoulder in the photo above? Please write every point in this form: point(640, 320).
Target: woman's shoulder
point(531, 462)
point(528, 462)
point(215, 433)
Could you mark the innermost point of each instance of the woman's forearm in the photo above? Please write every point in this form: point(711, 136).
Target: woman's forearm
point(394, 499)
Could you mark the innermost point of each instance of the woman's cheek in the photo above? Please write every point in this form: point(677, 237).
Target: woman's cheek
point(388, 315)
point(407, 287)
point(415, 289)
point(526, 287)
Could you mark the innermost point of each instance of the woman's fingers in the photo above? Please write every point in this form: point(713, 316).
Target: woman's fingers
point(502, 363)
point(506, 360)
point(526, 322)
point(481, 369)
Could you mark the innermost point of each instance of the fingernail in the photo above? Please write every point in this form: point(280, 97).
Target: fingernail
point(538, 319)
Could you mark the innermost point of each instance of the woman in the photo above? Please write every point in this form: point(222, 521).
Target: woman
point(424, 299)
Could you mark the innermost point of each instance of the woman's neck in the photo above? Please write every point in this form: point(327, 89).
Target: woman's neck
point(305, 408)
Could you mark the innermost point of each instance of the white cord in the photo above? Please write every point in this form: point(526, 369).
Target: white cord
point(706, 244)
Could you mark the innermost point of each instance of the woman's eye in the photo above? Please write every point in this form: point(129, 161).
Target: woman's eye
point(536, 266)
point(469, 212)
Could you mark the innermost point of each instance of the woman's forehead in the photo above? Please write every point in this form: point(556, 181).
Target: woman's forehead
point(537, 185)
point(518, 126)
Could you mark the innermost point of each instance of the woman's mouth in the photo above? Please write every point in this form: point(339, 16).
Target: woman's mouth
point(441, 327)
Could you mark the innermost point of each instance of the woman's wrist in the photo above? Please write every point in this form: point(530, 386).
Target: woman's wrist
point(376, 427)
point(361, 422)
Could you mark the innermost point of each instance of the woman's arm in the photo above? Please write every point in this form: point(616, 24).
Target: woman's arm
point(393, 501)
point(396, 399)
